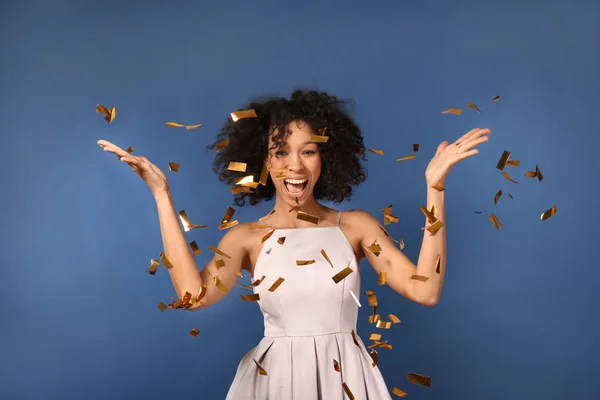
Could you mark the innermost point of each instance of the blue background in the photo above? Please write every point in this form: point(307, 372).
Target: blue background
point(79, 318)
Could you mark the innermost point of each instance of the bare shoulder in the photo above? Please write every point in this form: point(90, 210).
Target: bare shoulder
point(358, 219)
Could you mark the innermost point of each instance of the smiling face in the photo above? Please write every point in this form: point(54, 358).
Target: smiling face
point(299, 161)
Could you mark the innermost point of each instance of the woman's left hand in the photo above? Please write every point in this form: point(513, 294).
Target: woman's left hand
point(448, 155)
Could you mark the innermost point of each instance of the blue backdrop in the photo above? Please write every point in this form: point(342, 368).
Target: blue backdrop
point(79, 314)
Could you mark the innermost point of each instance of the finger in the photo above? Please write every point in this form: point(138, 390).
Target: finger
point(111, 148)
point(470, 143)
point(467, 154)
point(103, 143)
point(467, 135)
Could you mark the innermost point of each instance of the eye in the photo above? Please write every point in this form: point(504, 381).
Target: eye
point(280, 153)
point(310, 152)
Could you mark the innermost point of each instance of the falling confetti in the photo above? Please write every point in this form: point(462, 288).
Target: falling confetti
point(455, 111)
point(548, 213)
point(237, 115)
point(109, 115)
point(473, 106)
point(174, 166)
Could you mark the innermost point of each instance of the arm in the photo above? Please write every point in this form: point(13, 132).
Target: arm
point(184, 274)
point(398, 267)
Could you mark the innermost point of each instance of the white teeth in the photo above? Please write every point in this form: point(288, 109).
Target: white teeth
point(295, 181)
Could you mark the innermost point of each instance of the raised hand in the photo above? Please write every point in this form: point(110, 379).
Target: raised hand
point(448, 155)
point(150, 173)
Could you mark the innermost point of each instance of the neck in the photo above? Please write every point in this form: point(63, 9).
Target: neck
point(287, 218)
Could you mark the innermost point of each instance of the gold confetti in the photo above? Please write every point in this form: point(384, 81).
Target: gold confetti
point(319, 139)
point(228, 215)
point(185, 221)
point(250, 297)
point(429, 214)
point(382, 277)
point(237, 115)
point(374, 356)
point(165, 261)
point(215, 250)
point(372, 298)
point(379, 152)
point(267, 236)
point(435, 227)
point(348, 391)
point(513, 163)
point(355, 338)
point(401, 243)
point(276, 284)
point(240, 189)
point(336, 366)
point(419, 379)
point(438, 264)
point(503, 160)
point(237, 166)
point(194, 332)
point(496, 99)
point(473, 106)
point(439, 187)
point(153, 267)
point(188, 127)
point(222, 144)
point(398, 392)
point(388, 219)
point(258, 281)
point(495, 221)
point(375, 336)
point(305, 262)
point(384, 324)
point(281, 240)
point(497, 196)
point(261, 370)
point(455, 111)
point(382, 345)
point(420, 278)
point(220, 263)
point(326, 257)
point(174, 166)
point(228, 225)
point(548, 213)
point(129, 150)
point(373, 248)
point(195, 248)
point(409, 157)
point(174, 125)
point(307, 217)
point(415, 147)
point(337, 278)
point(220, 285)
point(109, 115)
point(162, 306)
point(264, 175)
point(394, 319)
point(507, 176)
point(535, 174)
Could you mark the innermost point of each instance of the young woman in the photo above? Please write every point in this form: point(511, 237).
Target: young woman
point(310, 318)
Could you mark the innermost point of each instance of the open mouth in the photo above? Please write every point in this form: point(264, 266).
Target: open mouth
point(295, 187)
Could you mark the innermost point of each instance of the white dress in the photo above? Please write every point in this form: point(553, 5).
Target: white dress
point(308, 323)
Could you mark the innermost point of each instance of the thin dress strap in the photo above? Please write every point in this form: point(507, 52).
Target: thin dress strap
point(339, 216)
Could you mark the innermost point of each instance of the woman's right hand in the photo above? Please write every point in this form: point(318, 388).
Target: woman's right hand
point(150, 173)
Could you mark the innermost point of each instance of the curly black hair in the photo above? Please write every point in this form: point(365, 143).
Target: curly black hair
point(248, 141)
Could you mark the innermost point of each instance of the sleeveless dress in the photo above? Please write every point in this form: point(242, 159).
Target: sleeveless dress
point(308, 323)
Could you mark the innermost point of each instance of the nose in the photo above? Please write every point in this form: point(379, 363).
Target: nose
point(294, 163)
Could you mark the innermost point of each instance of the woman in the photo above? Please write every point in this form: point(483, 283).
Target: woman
point(310, 350)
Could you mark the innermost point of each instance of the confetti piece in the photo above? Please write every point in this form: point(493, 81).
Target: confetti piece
point(355, 298)
point(153, 267)
point(337, 278)
point(388, 219)
point(379, 152)
point(420, 278)
point(409, 157)
point(535, 174)
point(435, 227)
point(382, 278)
point(319, 139)
point(194, 332)
point(326, 257)
point(355, 338)
point(496, 99)
point(513, 163)
point(430, 215)
point(497, 196)
point(228, 225)
point(495, 221)
point(174, 166)
point(221, 144)
point(188, 127)
point(439, 187)
point(372, 298)
point(220, 263)
point(548, 213)
point(185, 221)
point(276, 284)
point(507, 176)
point(384, 324)
point(415, 147)
point(438, 264)
point(250, 297)
point(375, 357)
point(237, 166)
point(419, 379)
point(305, 262)
point(195, 248)
point(473, 106)
point(162, 306)
point(401, 243)
point(215, 250)
point(237, 115)
point(336, 366)
point(381, 345)
point(511, 196)
point(129, 150)
point(109, 115)
point(258, 281)
point(301, 215)
point(174, 125)
point(267, 236)
point(503, 160)
point(240, 189)
point(394, 319)
point(264, 175)
point(165, 261)
point(348, 391)
point(281, 240)
point(228, 215)
point(398, 392)
point(373, 248)
point(261, 370)
point(375, 336)
point(455, 111)
point(220, 285)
